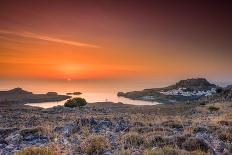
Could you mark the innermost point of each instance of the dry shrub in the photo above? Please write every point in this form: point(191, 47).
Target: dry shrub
point(95, 144)
point(167, 150)
point(225, 135)
point(123, 152)
point(133, 139)
point(193, 144)
point(198, 152)
point(213, 108)
point(38, 151)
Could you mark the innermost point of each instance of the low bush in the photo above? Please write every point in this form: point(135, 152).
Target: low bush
point(95, 144)
point(123, 152)
point(225, 135)
point(133, 139)
point(213, 108)
point(194, 144)
point(156, 140)
point(173, 124)
point(75, 102)
point(198, 152)
point(167, 150)
point(38, 151)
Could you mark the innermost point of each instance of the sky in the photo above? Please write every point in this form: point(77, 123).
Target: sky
point(115, 40)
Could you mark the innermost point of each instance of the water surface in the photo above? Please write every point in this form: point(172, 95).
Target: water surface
point(92, 91)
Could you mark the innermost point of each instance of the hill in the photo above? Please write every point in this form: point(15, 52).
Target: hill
point(184, 90)
point(21, 96)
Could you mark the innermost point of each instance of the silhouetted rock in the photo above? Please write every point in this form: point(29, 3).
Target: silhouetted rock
point(52, 93)
point(21, 96)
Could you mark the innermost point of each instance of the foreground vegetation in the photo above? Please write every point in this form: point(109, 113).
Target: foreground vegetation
point(115, 128)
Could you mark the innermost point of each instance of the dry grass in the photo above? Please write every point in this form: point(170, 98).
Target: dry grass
point(198, 152)
point(225, 135)
point(95, 144)
point(38, 151)
point(133, 139)
point(193, 144)
point(167, 150)
point(123, 152)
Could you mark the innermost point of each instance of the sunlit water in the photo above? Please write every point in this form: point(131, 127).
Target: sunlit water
point(92, 91)
point(96, 97)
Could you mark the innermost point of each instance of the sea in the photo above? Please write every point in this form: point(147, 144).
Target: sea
point(92, 91)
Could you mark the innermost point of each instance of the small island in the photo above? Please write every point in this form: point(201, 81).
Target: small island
point(74, 93)
point(19, 95)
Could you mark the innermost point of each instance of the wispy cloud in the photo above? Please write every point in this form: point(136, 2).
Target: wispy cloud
point(47, 38)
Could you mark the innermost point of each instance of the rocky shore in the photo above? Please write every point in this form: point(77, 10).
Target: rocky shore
point(21, 96)
point(116, 128)
point(189, 90)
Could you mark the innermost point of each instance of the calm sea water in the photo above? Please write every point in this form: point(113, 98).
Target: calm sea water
point(93, 91)
point(98, 91)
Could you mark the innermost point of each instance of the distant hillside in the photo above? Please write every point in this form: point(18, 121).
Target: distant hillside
point(15, 91)
point(21, 96)
point(184, 90)
point(199, 84)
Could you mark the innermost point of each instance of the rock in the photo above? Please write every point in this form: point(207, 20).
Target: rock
point(70, 129)
point(15, 138)
point(220, 147)
point(104, 123)
point(200, 129)
point(93, 121)
point(121, 126)
point(110, 134)
point(107, 153)
point(34, 136)
point(33, 121)
point(10, 147)
point(3, 144)
point(31, 131)
point(58, 129)
point(136, 153)
point(84, 121)
point(4, 132)
point(75, 141)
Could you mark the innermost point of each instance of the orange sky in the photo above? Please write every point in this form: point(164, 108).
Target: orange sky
point(106, 40)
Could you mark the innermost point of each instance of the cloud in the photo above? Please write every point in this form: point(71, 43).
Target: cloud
point(47, 38)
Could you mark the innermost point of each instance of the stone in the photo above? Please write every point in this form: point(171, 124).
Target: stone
point(121, 126)
point(10, 147)
point(4, 132)
point(70, 129)
point(104, 123)
point(15, 138)
point(107, 153)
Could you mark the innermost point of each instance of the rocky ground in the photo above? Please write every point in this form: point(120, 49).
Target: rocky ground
point(115, 128)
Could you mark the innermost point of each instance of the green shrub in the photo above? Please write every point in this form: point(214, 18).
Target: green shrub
point(38, 151)
point(75, 102)
point(213, 108)
point(95, 144)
